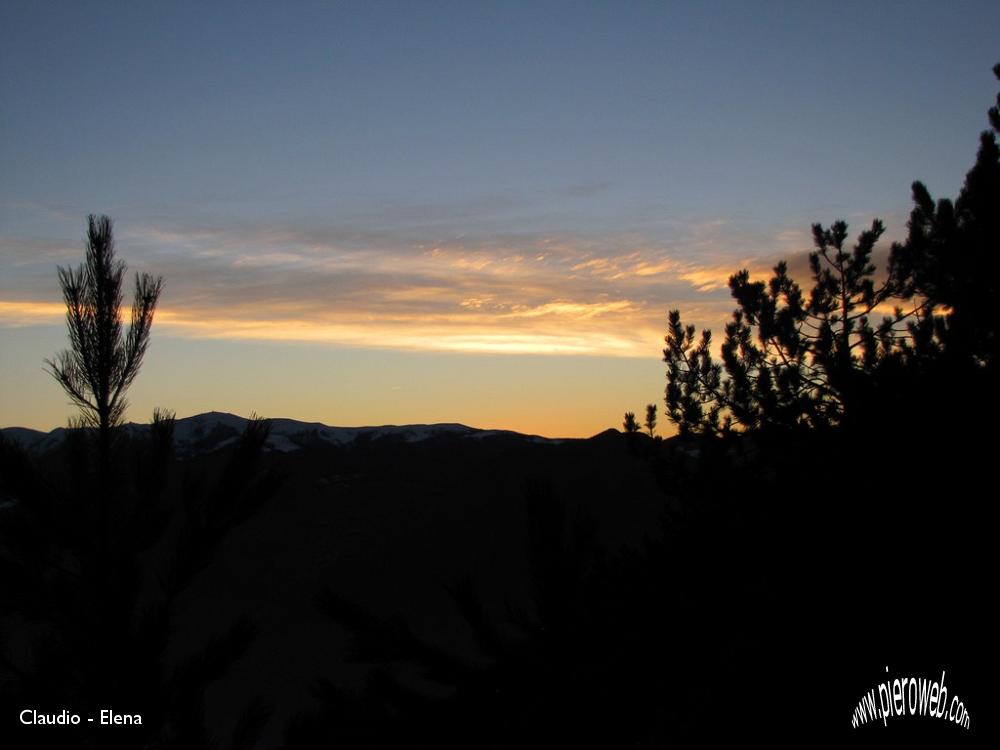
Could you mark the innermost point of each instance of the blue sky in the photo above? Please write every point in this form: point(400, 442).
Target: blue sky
point(459, 194)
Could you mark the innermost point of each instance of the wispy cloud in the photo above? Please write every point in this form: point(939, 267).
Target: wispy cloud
point(545, 293)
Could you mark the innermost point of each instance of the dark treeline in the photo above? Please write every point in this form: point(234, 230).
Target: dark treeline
point(818, 525)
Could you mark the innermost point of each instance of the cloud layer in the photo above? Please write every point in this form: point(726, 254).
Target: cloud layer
point(540, 293)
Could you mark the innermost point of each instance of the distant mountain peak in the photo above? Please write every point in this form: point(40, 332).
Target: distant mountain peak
point(212, 430)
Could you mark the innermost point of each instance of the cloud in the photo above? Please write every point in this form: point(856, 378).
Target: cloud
point(519, 292)
point(585, 190)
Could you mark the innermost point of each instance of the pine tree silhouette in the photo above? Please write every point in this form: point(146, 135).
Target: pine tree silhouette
point(102, 362)
point(650, 419)
point(807, 469)
point(950, 253)
point(792, 359)
point(82, 550)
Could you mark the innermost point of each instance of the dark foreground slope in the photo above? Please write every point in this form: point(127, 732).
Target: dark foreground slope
point(492, 590)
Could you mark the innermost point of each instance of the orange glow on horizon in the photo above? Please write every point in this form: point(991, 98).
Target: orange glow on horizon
point(554, 328)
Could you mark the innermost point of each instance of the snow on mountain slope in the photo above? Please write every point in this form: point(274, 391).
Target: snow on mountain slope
point(35, 441)
point(213, 430)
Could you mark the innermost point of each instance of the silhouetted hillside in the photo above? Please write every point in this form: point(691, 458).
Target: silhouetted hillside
point(388, 517)
point(213, 430)
point(482, 587)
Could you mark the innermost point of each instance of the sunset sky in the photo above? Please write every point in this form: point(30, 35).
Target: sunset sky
point(379, 212)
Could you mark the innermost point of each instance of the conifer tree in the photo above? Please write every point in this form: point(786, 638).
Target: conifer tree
point(651, 419)
point(789, 358)
point(77, 556)
point(792, 359)
point(102, 362)
point(950, 255)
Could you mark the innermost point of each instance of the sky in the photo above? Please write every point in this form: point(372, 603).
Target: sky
point(412, 212)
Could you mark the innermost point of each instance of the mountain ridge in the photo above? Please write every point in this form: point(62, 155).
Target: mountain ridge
point(212, 430)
